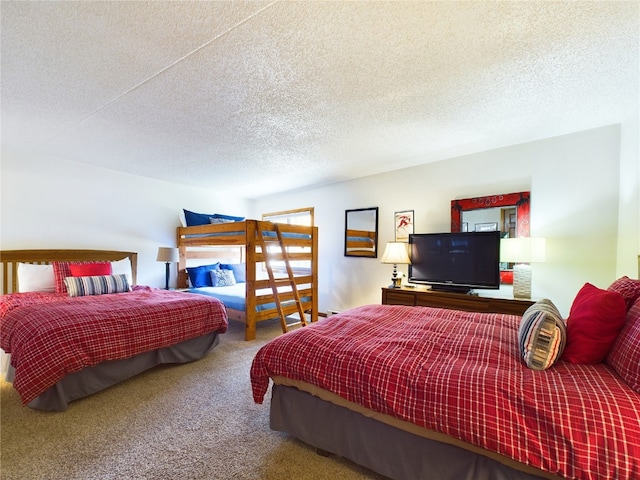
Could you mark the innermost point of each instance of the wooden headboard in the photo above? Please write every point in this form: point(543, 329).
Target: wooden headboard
point(9, 260)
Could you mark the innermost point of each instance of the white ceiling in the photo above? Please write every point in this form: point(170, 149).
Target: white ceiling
point(273, 96)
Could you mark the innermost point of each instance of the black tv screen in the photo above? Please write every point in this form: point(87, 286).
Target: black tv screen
point(456, 262)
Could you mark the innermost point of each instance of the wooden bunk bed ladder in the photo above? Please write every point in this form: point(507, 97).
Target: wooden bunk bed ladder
point(281, 282)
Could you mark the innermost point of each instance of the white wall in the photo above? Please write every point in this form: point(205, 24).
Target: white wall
point(629, 212)
point(584, 201)
point(574, 184)
point(54, 203)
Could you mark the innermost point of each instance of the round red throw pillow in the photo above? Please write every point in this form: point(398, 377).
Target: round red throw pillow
point(595, 319)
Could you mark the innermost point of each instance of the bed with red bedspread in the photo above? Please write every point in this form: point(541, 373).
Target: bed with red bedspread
point(449, 378)
point(53, 338)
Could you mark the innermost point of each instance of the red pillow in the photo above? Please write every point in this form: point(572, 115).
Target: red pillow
point(624, 356)
point(595, 319)
point(62, 270)
point(90, 269)
point(628, 288)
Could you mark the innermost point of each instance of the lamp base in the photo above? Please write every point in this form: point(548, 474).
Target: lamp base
point(396, 282)
point(522, 281)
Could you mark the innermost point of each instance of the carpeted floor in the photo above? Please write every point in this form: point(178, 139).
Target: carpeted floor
point(194, 421)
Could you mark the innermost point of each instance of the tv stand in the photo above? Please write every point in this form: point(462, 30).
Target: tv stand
point(451, 289)
point(421, 297)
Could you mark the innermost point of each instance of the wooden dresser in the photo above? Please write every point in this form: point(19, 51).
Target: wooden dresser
point(419, 297)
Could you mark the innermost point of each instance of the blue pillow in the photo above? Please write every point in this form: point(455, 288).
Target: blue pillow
point(193, 219)
point(201, 276)
point(239, 270)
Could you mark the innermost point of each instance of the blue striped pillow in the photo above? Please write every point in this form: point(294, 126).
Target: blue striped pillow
point(542, 335)
point(96, 285)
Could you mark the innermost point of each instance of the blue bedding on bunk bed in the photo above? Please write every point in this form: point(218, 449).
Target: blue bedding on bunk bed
point(241, 232)
point(233, 296)
point(360, 239)
point(193, 219)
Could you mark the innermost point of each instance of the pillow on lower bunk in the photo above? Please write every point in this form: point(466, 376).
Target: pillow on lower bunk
point(193, 219)
point(36, 278)
point(96, 285)
point(200, 276)
point(239, 270)
point(542, 335)
point(624, 356)
point(222, 278)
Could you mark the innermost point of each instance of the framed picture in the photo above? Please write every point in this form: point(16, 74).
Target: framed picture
point(403, 222)
point(487, 227)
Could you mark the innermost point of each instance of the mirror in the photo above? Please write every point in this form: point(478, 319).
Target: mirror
point(483, 213)
point(361, 232)
point(508, 213)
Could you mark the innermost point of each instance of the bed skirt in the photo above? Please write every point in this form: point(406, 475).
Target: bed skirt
point(390, 451)
point(106, 374)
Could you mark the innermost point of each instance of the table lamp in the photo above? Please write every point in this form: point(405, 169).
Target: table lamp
point(522, 251)
point(396, 253)
point(167, 255)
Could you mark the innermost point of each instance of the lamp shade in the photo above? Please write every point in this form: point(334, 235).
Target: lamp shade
point(522, 250)
point(396, 253)
point(168, 255)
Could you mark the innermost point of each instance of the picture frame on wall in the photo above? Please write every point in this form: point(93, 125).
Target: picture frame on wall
point(403, 222)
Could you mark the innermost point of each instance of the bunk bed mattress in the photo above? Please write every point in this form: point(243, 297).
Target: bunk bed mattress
point(234, 296)
point(459, 374)
point(266, 234)
point(50, 336)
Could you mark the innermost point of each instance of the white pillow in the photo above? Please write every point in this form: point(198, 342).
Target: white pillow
point(123, 266)
point(222, 278)
point(36, 278)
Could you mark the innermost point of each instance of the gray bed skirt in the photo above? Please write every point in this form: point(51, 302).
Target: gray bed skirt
point(392, 452)
point(94, 379)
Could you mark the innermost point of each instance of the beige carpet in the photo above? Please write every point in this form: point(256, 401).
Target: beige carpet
point(194, 421)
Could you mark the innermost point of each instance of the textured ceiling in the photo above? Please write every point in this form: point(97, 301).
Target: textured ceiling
point(281, 95)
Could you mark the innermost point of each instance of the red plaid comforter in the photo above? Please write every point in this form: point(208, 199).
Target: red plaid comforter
point(460, 374)
point(50, 335)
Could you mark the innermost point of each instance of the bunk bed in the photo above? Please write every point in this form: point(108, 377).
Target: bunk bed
point(360, 243)
point(294, 262)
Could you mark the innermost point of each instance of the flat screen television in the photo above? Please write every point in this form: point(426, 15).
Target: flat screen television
point(457, 262)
